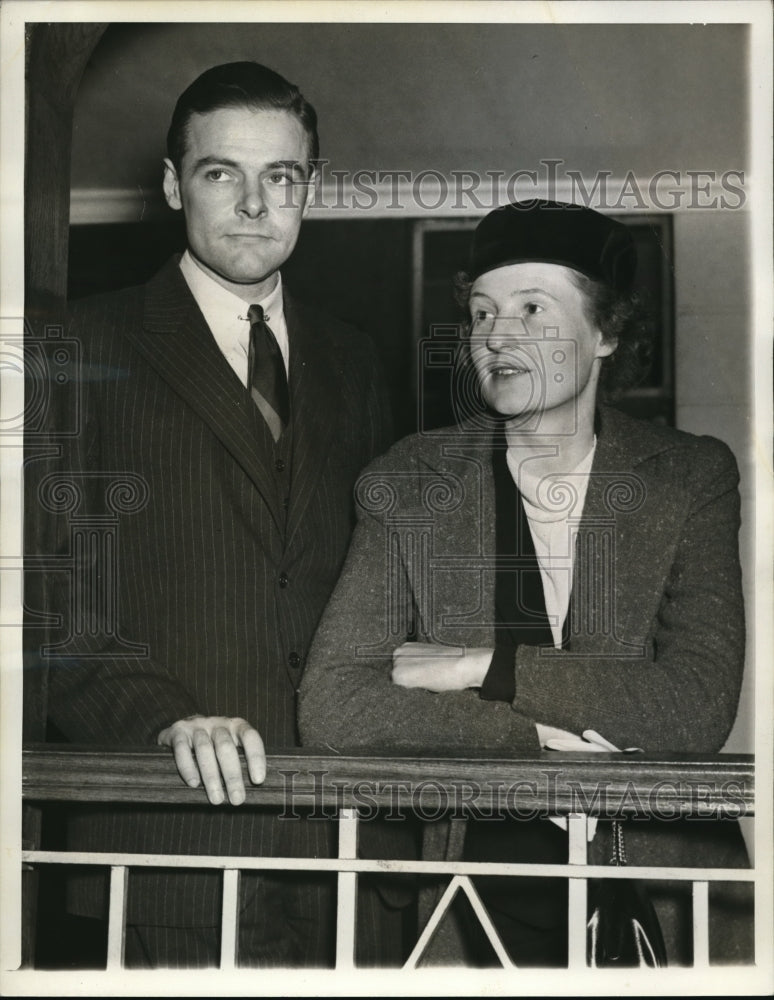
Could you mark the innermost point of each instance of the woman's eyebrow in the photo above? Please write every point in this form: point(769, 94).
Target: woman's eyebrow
point(533, 291)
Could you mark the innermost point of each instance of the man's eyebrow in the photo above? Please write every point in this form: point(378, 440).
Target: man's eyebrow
point(293, 164)
point(209, 161)
point(224, 161)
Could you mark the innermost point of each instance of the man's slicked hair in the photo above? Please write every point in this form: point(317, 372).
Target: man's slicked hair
point(239, 85)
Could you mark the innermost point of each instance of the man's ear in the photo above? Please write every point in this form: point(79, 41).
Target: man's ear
point(172, 186)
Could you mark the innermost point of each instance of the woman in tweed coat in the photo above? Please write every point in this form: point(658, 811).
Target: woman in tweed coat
point(547, 568)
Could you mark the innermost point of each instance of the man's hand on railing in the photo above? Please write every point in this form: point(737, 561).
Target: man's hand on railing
point(205, 749)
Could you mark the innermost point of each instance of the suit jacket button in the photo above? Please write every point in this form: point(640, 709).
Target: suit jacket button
point(283, 580)
point(294, 660)
point(279, 465)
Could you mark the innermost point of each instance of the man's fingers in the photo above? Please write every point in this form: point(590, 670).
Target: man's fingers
point(208, 765)
point(186, 765)
point(206, 751)
point(230, 765)
point(255, 755)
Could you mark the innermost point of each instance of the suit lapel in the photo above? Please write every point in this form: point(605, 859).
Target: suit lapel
point(315, 392)
point(613, 536)
point(177, 342)
point(622, 501)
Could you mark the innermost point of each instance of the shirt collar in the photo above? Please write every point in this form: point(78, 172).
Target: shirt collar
point(216, 301)
point(569, 489)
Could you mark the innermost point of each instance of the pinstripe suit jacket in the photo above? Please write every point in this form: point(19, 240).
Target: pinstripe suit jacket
point(224, 570)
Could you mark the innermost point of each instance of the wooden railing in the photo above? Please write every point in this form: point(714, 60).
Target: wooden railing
point(580, 787)
point(559, 783)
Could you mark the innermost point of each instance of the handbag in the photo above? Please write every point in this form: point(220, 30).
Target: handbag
point(623, 929)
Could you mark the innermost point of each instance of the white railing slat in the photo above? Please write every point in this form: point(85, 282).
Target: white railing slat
point(230, 919)
point(701, 924)
point(346, 905)
point(577, 908)
point(486, 923)
point(428, 932)
point(364, 865)
point(430, 927)
point(119, 875)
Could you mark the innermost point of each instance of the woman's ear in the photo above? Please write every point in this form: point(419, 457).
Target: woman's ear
point(605, 347)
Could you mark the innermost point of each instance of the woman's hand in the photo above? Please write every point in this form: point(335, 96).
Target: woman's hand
point(440, 668)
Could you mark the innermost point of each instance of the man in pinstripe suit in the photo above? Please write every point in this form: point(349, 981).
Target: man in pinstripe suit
point(226, 568)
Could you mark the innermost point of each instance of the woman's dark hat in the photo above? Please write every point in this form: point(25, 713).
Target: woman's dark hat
point(555, 233)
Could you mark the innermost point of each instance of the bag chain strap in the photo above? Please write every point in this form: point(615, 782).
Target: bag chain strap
point(619, 848)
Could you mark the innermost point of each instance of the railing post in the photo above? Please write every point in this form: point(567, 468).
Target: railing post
point(701, 925)
point(229, 925)
point(576, 892)
point(346, 908)
point(117, 917)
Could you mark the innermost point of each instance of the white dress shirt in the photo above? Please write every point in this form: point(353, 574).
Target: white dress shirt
point(226, 315)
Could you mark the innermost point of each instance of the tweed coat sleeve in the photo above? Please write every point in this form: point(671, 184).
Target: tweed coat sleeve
point(681, 694)
point(667, 679)
point(347, 700)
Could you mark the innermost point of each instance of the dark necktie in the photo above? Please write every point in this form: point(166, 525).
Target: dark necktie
point(267, 379)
